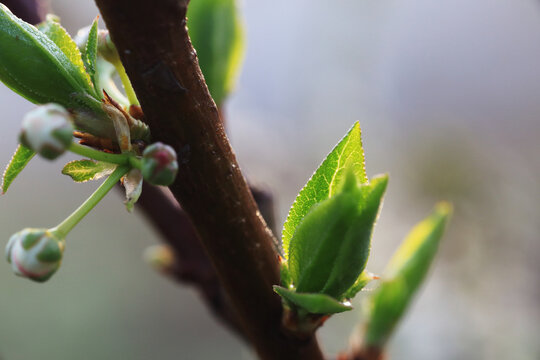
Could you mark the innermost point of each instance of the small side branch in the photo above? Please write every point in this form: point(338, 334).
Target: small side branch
point(191, 264)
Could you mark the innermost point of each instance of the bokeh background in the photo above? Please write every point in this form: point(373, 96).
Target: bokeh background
point(447, 93)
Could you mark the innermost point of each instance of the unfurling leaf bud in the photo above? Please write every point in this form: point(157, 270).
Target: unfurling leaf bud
point(330, 246)
point(159, 165)
point(403, 277)
point(328, 252)
point(35, 253)
point(47, 130)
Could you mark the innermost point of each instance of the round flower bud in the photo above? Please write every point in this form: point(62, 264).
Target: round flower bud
point(35, 253)
point(106, 47)
point(159, 165)
point(47, 130)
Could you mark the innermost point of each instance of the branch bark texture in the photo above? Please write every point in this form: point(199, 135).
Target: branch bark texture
point(158, 56)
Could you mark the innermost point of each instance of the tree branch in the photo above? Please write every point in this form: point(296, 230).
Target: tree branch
point(191, 264)
point(155, 48)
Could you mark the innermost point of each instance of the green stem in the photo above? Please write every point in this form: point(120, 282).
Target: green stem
point(69, 223)
point(134, 162)
point(112, 90)
point(120, 159)
point(127, 83)
point(106, 70)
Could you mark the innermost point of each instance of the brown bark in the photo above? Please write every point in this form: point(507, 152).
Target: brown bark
point(368, 353)
point(155, 48)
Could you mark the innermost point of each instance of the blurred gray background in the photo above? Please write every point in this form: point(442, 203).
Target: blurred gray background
point(447, 93)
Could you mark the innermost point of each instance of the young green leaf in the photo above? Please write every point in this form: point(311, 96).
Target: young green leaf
point(56, 32)
point(385, 308)
point(415, 254)
point(90, 56)
point(330, 246)
point(365, 278)
point(217, 33)
point(404, 275)
point(18, 161)
point(86, 170)
point(32, 65)
point(312, 303)
point(348, 153)
point(284, 274)
point(355, 247)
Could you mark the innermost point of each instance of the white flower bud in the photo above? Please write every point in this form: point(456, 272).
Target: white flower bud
point(47, 130)
point(106, 47)
point(35, 253)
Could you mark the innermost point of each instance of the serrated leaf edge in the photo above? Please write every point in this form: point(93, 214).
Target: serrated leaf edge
point(6, 184)
point(364, 179)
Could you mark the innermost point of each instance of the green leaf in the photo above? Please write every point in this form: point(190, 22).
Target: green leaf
point(365, 278)
point(86, 170)
point(18, 161)
point(57, 33)
point(32, 65)
point(90, 56)
point(415, 254)
point(385, 307)
point(348, 153)
point(284, 274)
point(312, 303)
point(404, 275)
point(217, 33)
point(330, 246)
